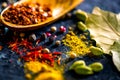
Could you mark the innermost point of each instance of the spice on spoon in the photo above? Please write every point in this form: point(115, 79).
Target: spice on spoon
point(27, 13)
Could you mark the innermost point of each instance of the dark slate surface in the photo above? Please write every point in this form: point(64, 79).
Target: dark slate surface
point(11, 68)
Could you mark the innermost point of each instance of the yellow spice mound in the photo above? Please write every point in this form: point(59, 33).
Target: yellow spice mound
point(34, 70)
point(75, 44)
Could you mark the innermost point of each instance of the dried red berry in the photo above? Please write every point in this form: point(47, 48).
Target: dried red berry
point(48, 34)
point(62, 29)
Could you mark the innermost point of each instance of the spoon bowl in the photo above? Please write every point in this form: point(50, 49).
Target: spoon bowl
point(58, 7)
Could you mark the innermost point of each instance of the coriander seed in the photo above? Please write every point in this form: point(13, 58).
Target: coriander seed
point(4, 4)
point(32, 37)
point(72, 55)
point(58, 42)
point(53, 29)
point(70, 28)
point(46, 50)
point(22, 35)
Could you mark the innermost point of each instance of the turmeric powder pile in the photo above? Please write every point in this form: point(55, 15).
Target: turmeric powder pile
point(35, 70)
point(75, 44)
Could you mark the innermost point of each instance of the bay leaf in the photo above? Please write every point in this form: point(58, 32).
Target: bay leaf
point(116, 54)
point(104, 28)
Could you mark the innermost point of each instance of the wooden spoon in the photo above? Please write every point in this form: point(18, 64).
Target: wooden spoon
point(58, 7)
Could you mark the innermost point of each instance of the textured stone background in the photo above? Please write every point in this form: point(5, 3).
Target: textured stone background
point(10, 67)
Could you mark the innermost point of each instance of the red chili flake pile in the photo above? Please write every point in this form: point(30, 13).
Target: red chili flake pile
point(27, 13)
point(28, 52)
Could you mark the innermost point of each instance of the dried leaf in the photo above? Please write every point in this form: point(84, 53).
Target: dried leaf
point(104, 28)
point(116, 54)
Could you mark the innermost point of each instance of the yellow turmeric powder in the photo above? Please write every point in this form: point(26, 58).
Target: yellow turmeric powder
point(75, 44)
point(34, 70)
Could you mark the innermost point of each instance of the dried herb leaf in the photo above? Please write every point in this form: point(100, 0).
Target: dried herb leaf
point(104, 27)
point(116, 54)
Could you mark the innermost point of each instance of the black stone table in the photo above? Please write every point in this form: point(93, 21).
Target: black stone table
point(11, 68)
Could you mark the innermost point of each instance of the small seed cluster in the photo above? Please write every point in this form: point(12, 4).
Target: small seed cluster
point(26, 14)
point(49, 35)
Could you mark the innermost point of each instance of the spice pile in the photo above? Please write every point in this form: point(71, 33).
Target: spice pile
point(75, 44)
point(27, 13)
point(35, 70)
point(28, 48)
point(38, 59)
point(29, 52)
point(40, 63)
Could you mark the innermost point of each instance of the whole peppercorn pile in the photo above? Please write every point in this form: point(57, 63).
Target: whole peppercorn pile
point(27, 13)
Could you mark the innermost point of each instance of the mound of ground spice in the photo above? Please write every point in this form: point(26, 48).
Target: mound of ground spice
point(27, 13)
point(75, 44)
point(34, 70)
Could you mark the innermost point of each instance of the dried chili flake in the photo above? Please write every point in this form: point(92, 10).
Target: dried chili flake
point(1, 47)
point(29, 52)
point(57, 53)
point(27, 13)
